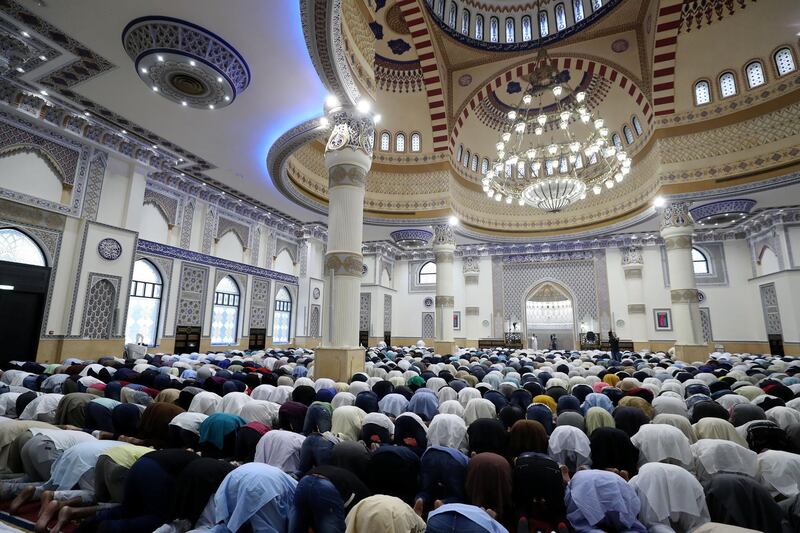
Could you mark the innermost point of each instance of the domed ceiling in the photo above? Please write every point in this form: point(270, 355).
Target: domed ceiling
point(436, 77)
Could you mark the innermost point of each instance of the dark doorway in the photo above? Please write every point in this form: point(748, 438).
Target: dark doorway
point(23, 293)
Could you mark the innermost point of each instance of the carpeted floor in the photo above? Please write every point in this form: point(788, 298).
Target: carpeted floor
point(25, 519)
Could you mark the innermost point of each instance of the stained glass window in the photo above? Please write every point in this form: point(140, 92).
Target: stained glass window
point(451, 19)
point(225, 315)
point(702, 92)
point(415, 142)
point(509, 30)
point(479, 27)
point(628, 134)
point(465, 22)
point(144, 305)
point(484, 166)
point(544, 24)
point(577, 9)
point(755, 74)
point(784, 61)
point(617, 141)
point(460, 152)
point(597, 4)
point(561, 17)
point(16, 247)
point(386, 141)
point(282, 319)
point(636, 124)
point(400, 142)
point(526, 28)
point(494, 29)
point(473, 165)
point(727, 84)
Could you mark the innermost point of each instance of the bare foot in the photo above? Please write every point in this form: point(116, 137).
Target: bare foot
point(437, 504)
point(47, 497)
point(21, 499)
point(64, 516)
point(48, 511)
point(419, 507)
point(625, 475)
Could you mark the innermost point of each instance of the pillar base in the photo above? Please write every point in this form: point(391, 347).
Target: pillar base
point(338, 364)
point(444, 347)
point(691, 352)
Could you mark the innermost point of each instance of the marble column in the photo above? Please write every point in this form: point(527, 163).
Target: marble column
point(444, 246)
point(471, 321)
point(348, 158)
point(677, 227)
point(633, 265)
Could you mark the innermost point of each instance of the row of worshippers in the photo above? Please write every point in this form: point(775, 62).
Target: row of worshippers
point(479, 441)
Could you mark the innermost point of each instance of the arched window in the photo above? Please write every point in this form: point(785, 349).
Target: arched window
point(784, 61)
point(386, 141)
point(225, 315)
point(440, 9)
point(465, 161)
point(700, 261)
point(144, 305)
point(727, 84)
point(521, 168)
point(544, 24)
point(578, 161)
point(550, 166)
point(527, 35)
point(561, 17)
point(16, 247)
point(400, 142)
point(451, 19)
point(282, 318)
point(459, 152)
point(755, 74)
point(427, 274)
point(416, 142)
point(597, 4)
point(473, 165)
point(636, 124)
point(617, 141)
point(494, 29)
point(479, 27)
point(465, 22)
point(563, 166)
point(626, 131)
point(702, 92)
point(509, 30)
point(509, 169)
point(593, 158)
point(577, 10)
point(484, 166)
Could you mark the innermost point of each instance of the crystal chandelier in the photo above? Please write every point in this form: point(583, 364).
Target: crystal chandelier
point(553, 150)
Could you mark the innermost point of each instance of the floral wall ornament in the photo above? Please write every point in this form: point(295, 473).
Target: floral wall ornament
point(377, 30)
point(398, 46)
point(109, 249)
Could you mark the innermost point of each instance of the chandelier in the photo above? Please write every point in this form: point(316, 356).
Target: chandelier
point(553, 150)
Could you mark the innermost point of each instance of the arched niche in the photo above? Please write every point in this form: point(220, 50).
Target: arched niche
point(285, 263)
point(767, 262)
point(31, 172)
point(153, 225)
point(229, 247)
point(550, 310)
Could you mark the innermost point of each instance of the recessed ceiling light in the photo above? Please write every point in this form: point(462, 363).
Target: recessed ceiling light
point(43, 92)
point(124, 132)
point(155, 89)
point(160, 58)
point(20, 70)
point(227, 98)
point(219, 79)
point(211, 106)
point(144, 70)
point(184, 103)
point(192, 63)
point(659, 201)
point(155, 147)
point(86, 113)
point(43, 57)
point(25, 34)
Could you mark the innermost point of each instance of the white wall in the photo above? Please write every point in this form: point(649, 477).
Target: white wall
point(152, 225)
point(29, 174)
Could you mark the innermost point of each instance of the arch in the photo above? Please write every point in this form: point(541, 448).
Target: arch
point(700, 262)
point(588, 65)
point(386, 141)
point(783, 60)
point(494, 29)
point(229, 245)
point(286, 248)
point(416, 142)
point(626, 131)
point(284, 262)
point(153, 224)
point(559, 288)
point(400, 142)
point(767, 262)
point(31, 173)
point(755, 74)
point(637, 126)
point(727, 84)
point(510, 30)
point(39, 151)
point(386, 275)
point(702, 92)
point(282, 317)
point(225, 313)
point(479, 27)
point(144, 303)
point(426, 275)
point(16, 246)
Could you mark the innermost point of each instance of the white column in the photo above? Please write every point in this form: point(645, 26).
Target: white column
point(471, 323)
point(444, 246)
point(348, 158)
point(677, 227)
point(633, 265)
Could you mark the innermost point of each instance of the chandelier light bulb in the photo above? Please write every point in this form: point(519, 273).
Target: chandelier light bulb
point(582, 110)
point(626, 164)
point(527, 99)
point(506, 136)
point(580, 97)
point(565, 115)
point(598, 123)
point(603, 132)
point(557, 90)
point(521, 201)
point(500, 145)
point(563, 125)
point(531, 153)
point(536, 165)
point(619, 177)
point(539, 130)
point(489, 176)
point(513, 160)
point(498, 197)
point(552, 149)
point(621, 156)
point(542, 120)
point(574, 146)
point(597, 189)
point(501, 154)
point(512, 115)
point(583, 195)
point(508, 199)
point(520, 127)
point(486, 189)
point(625, 171)
point(489, 193)
point(609, 184)
point(572, 158)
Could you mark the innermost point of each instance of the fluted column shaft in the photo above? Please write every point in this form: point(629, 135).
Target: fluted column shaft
point(633, 267)
point(677, 227)
point(471, 320)
point(444, 246)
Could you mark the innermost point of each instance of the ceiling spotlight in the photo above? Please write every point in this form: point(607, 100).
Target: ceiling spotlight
point(124, 132)
point(219, 79)
point(184, 103)
point(43, 57)
point(43, 92)
point(363, 106)
point(20, 70)
point(659, 201)
point(453, 220)
point(86, 113)
point(155, 89)
point(192, 63)
point(25, 34)
point(227, 98)
point(155, 147)
point(211, 106)
point(143, 70)
point(160, 59)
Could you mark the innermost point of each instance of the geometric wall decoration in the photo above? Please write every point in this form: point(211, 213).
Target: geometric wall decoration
point(387, 312)
point(314, 321)
point(772, 313)
point(260, 303)
point(428, 325)
point(100, 306)
point(365, 310)
point(194, 279)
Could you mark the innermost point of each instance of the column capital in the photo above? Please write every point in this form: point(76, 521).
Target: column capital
point(632, 256)
point(443, 237)
point(351, 140)
point(471, 267)
point(676, 215)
